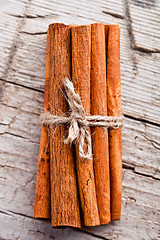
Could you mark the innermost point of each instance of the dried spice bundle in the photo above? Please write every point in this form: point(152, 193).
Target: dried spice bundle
point(69, 184)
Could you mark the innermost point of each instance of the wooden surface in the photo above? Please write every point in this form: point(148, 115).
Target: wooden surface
point(23, 28)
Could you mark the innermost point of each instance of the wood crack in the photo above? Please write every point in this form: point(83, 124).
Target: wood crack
point(133, 45)
point(6, 213)
point(16, 213)
point(20, 85)
point(130, 34)
point(92, 234)
point(19, 136)
point(145, 50)
point(14, 45)
point(132, 168)
point(34, 17)
point(13, 167)
point(116, 15)
point(153, 142)
point(146, 175)
point(13, 50)
point(10, 213)
point(34, 34)
point(142, 120)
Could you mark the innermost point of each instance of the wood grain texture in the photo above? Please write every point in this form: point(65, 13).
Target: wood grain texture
point(139, 72)
point(140, 219)
point(100, 134)
point(140, 153)
point(22, 107)
point(36, 229)
point(145, 24)
point(22, 65)
point(9, 41)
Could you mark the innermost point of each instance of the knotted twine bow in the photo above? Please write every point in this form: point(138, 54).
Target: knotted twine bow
point(78, 121)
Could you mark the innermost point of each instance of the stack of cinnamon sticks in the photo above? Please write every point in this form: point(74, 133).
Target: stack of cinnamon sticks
point(69, 190)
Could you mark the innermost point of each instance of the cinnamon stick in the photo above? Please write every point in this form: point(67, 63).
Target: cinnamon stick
point(81, 51)
point(114, 108)
point(64, 197)
point(42, 195)
point(100, 134)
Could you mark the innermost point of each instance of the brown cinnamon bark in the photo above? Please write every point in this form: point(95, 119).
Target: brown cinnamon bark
point(114, 108)
point(81, 51)
point(100, 134)
point(64, 197)
point(42, 195)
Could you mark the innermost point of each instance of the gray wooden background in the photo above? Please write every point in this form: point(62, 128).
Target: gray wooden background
point(23, 26)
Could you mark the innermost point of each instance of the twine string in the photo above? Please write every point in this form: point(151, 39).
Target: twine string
point(78, 121)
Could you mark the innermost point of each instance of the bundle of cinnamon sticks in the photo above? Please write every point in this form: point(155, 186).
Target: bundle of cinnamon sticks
point(69, 190)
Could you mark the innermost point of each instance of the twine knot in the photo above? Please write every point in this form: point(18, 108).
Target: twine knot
point(78, 121)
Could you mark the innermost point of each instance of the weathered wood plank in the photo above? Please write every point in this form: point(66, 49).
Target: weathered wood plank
point(141, 147)
point(140, 87)
point(20, 136)
point(24, 228)
point(75, 9)
point(9, 26)
point(140, 91)
point(21, 108)
point(22, 62)
point(140, 219)
point(20, 113)
point(145, 23)
point(28, 67)
point(140, 209)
